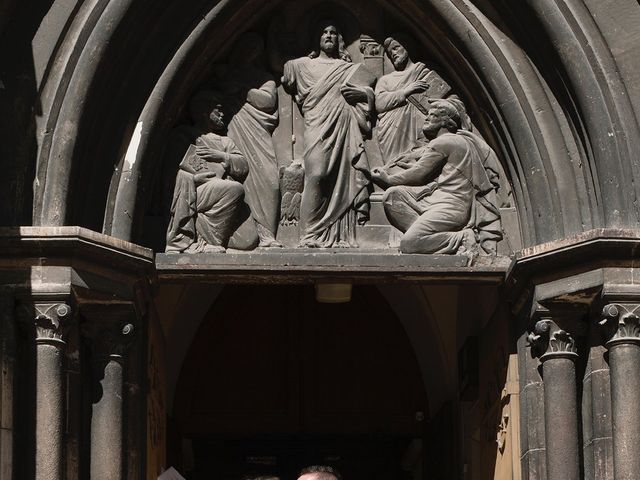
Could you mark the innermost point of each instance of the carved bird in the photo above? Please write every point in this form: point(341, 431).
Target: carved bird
point(291, 185)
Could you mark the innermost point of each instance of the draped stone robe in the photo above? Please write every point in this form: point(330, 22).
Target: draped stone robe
point(399, 122)
point(445, 198)
point(251, 129)
point(207, 214)
point(336, 187)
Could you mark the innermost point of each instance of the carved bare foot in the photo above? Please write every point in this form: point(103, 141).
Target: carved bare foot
point(308, 244)
point(469, 246)
point(270, 244)
point(266, 237)
point(213, 249)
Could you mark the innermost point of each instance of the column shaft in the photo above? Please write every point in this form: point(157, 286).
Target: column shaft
point(51, 321)
point(50, 401)
point(624, 361)
point(106, 422)
point(109, 335)
point(561, 419)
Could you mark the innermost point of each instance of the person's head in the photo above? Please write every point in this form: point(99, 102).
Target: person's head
point(329, 35)
point(442, 115)
point(319, 472)
point(397, 47)
point(206, 110)
point(397, 53)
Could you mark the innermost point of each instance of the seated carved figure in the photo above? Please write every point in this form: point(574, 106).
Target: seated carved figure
point(439, 193)
point(208, 195)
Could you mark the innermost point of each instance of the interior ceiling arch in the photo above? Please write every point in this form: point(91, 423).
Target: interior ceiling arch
point(117, 150)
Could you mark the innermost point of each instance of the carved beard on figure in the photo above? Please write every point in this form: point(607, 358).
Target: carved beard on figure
point(399, 58)
point(329, 45)
point(432, 126)
point(216, 120)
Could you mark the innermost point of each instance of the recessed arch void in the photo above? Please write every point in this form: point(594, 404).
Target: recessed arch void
point(408, 303)
point(565, 144)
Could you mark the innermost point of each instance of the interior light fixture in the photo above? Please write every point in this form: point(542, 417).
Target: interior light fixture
point(333, 292)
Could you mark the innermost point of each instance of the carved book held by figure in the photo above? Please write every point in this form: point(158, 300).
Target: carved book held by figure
point(194, 164)
point(437, 89)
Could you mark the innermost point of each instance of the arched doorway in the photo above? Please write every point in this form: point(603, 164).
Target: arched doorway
point(274, 381)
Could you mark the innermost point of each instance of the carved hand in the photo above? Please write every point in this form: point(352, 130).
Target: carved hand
point(380, 177)
point(418, 86)
point(200, 178)
point(353, 94)
point(209, 154)
point(404, 164)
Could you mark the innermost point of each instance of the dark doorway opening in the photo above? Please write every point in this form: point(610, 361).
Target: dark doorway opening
point(275, 381)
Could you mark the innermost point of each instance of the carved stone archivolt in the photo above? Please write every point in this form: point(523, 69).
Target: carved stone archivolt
point(621, 323)
point(287, 147)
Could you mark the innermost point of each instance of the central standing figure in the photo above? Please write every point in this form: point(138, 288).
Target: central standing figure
point(337, 101)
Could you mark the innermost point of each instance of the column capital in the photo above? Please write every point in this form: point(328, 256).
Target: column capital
point(620, 323)
point(550, 341)
point(51, 320)
point(109, 329)
point(554, 333)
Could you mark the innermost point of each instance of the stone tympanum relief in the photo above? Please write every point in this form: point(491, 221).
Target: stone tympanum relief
point(338, 148)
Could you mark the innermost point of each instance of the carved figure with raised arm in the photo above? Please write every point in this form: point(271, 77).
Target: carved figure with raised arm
point(208, 196)
point(337, 101)
point(439, 194)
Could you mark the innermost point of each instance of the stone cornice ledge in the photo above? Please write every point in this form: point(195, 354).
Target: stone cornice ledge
point(304, 266)
point(588, 251)
point(25, 245)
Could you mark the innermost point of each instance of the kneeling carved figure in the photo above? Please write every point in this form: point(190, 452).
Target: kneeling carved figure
point(440, 194)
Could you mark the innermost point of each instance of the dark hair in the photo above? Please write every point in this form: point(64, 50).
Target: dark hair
point(321, 469)
point(342, 50)
point(202, 104)
point(403, 39)
point(454, 120)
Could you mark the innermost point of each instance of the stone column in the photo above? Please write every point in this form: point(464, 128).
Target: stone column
point(557, 351)
point(7, 366)
point(108, 339)
point(51, 321)
point(622, 326)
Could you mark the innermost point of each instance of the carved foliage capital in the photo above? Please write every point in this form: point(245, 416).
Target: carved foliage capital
point(50, 319)
point(110, 338)
point(621, 323)
point(548, 341)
